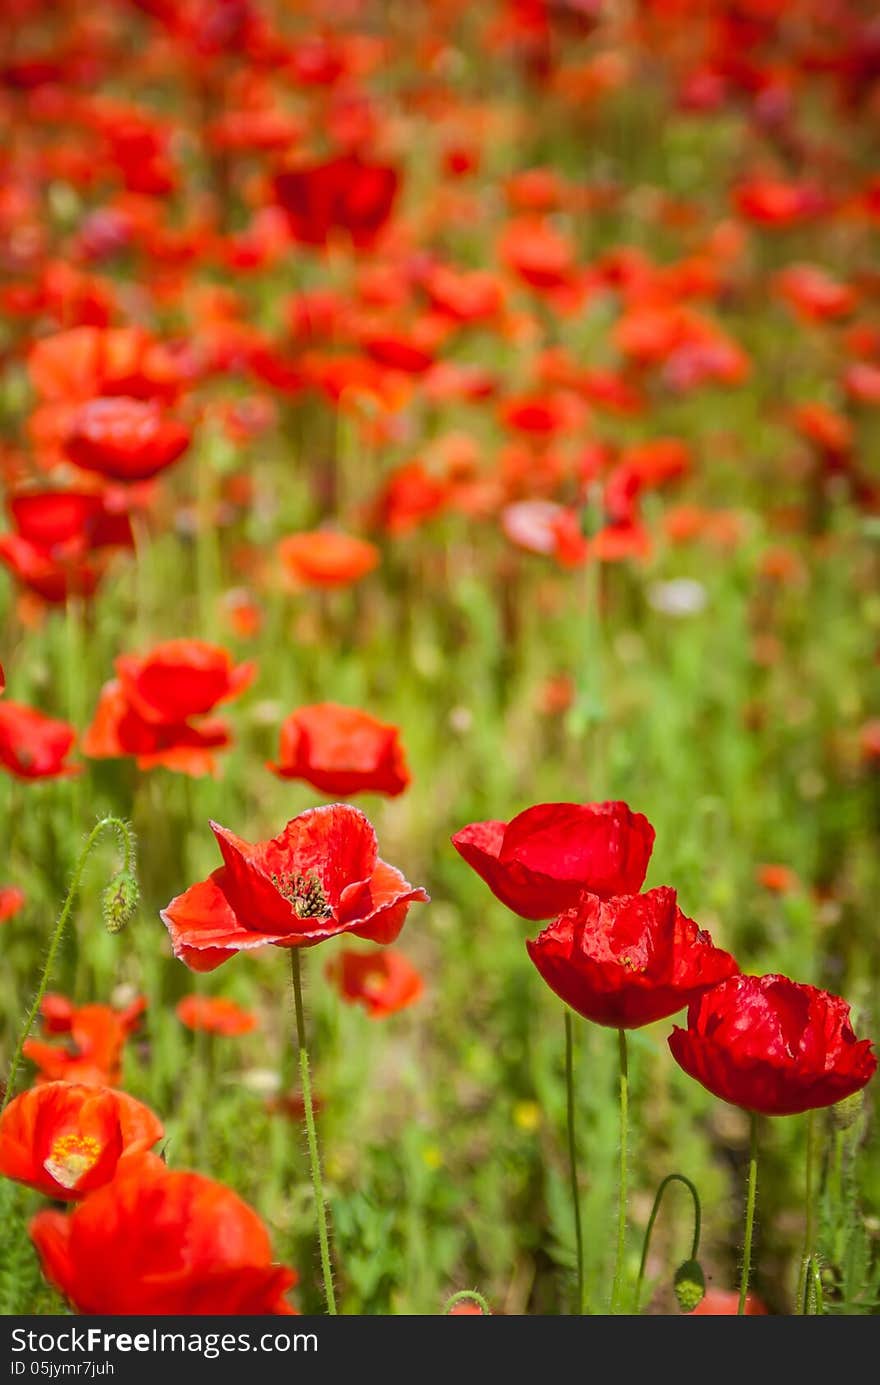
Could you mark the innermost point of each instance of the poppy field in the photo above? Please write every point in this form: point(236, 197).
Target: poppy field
point(439, 628)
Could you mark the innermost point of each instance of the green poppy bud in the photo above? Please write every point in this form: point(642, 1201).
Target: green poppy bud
point(119, 901)
point(690, 1285)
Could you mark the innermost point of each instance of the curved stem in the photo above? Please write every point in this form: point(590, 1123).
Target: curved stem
point(127, 842)
point(311, 1132)
point(572, 1158)
point(468, 1296)
point(750, 1212)
point(621, 1200)
point(809, 1217)
point(695, 1244)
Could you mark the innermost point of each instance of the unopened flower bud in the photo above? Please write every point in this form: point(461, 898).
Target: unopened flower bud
point(120, 901)
point(689, 1285)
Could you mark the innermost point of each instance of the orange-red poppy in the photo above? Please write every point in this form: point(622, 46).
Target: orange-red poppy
point(66, 1139)
point(342, 751)
point(154, 1241)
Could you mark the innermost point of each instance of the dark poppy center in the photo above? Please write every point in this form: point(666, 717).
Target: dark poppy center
point(305, 892)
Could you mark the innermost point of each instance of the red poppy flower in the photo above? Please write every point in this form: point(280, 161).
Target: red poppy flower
point(773, 1045)
point(409, 496)
point(327, 558)
point(148, 710)
point(215, 1015)
point(725, 1303)
point(542, 861)
point(181, 679)
point(97, 1037)
point(117, 730)
point(628, 961)
point(345, 193)
point(84, 362)
point(66, 1139)
point(341, 750)
point(319, 877)
point(126, 439)
point(11, 901)
point(159, 1242)
point(34, 746)
point(56, 549)
point(383, 982)
point(813, 294)
point(539, 254)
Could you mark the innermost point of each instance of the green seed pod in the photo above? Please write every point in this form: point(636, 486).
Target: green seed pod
point(690, 1285)
point(119, 901)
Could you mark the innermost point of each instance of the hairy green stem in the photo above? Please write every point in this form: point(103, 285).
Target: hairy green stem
point(126, 840)
point(311, 1133)
point(750, 1212)
point(572, 1159)
point(809, 1216)
point(695, 1244)
point(617, 1287)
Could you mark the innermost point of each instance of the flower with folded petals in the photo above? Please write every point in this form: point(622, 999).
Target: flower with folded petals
point(155, 708)
point(155, 1242)
point(772, 1045)
point(66, 1139)
point(628, 961)
point(341, 750)
point(320, 877)
point(542, 861)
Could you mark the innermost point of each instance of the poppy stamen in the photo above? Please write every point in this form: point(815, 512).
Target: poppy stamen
point(306, 893)
point(71, 1157)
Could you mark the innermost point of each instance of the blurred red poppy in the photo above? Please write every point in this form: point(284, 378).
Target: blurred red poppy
point(159, 1242)
point(345, 193)
point(215, 1015)
point(66, 1139)
point(341, 750)
point(542, 861)
point(11, 901)
point(628, 961)
point(320, 877)
point(773, 1045)
point(97, 1037)
point(34, 746)
point(181, 679)
point(327, 558)
point(725, 1303)
point(124, 439)
point(383, 982)
point(148, 711)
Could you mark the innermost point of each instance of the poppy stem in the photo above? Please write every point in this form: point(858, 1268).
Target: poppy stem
point(311, 1133)
point(695, 1245)
point(809, 1218)
point(120, 898)
point(572, 1159)
point(750, 1212)
point(622, 1185)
